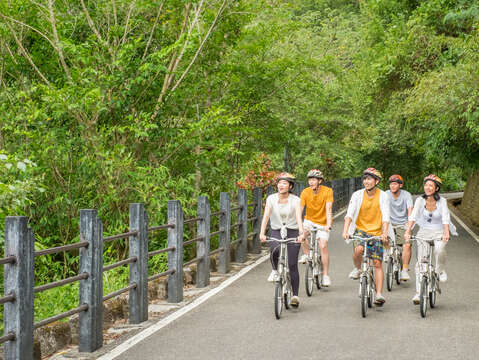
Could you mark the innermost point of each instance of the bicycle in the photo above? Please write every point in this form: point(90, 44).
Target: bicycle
point(314, 268)
point(282, 283)
point(429, 277)
point(367, 284)
point(394, 263)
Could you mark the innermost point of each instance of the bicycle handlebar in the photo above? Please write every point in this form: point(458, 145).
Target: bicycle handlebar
point(355, 237)
point(423, 239)
point(318, 227)
point(270, 239)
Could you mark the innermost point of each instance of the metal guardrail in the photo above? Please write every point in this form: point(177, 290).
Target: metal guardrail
point(19, 264)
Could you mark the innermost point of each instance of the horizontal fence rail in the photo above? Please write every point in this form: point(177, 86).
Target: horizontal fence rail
point(161, 227)
point(120, 236)
point(19, 262)
point(8, 260)
point(59, 249)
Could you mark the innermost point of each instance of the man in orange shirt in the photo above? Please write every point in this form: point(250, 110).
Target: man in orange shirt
point(318, 200)
point(368, 216)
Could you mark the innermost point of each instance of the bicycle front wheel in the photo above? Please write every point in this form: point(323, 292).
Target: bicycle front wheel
point(278, 299)
point(389, 274)
point(308, 279)
point(423, 297)
point(363, 284)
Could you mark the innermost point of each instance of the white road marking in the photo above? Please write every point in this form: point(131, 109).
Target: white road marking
point(474, 236)
point(170, 318)
point(339, 213)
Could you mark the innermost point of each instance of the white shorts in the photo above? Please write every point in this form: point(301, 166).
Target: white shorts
point(320, 234)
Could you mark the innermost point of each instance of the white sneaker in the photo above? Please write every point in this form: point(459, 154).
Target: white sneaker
point(326, 281)
point(380, 300)
point(443, 276)
point(416, 299)
point(354, 275)
point(405, 276)
point(273, 275)
point(295, 301)
point(303, 259)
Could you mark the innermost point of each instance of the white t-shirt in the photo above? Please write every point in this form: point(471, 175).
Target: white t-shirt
point(283, 214)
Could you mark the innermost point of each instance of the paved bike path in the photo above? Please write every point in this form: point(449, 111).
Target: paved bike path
point(239, 322)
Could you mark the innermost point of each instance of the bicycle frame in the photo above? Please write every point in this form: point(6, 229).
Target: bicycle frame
point(395, 256)
point(367, 267)
point(314, 268)
point(314, 251)
point(367, 275)
point(283, 291)
point(427, 267)
point(427, 270)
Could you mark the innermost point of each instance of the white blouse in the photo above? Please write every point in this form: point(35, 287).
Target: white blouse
point(283, 214)
point(440, 215)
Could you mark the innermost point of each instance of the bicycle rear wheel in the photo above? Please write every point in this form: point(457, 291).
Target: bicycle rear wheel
point(397, 274)
point(389, 274)
point(319, 276)
point(363, 283)
point(278, 299)
point(423, 297)
point(308, 279)
point(287, 293)
point(432, 293)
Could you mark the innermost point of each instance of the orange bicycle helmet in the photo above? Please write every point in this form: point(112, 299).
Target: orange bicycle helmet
point(396, 178)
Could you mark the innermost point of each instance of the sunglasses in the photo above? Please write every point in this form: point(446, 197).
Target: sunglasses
point(430, 217)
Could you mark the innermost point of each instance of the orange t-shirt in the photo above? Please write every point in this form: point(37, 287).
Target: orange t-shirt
point(316, 203)
point(370, 218)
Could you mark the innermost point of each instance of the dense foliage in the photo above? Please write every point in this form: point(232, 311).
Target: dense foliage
point(106, 102)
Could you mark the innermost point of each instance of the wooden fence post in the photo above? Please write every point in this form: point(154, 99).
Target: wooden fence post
point(175, 258)
point(90, 332)
point(352, 187)
point(225, 236)
point(138, 300)
point(203, 246)
point(18, 281)
point(242, 219)
point(258, 202)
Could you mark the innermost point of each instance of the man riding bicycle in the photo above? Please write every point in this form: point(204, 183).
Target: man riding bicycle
point(318, 200)
point(400, 209)
point(368, 216)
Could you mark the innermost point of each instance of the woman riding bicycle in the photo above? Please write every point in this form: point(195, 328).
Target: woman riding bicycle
point(432, 215)
point(283, 209)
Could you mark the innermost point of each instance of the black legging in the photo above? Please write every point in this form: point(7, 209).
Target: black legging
point(293, 251)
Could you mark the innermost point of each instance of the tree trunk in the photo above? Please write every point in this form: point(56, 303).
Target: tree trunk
point(470, 201)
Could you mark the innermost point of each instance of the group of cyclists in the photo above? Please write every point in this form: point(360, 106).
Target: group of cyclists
point(386, 216)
